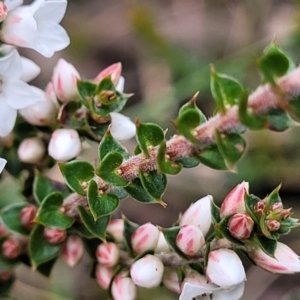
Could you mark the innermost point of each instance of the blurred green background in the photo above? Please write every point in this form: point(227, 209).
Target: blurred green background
point(165, 47)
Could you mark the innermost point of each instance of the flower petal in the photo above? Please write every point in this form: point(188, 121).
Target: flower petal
point(12, 4)
point(2, 164)
point(235, 293)
point(120, 85)
point(122, 128)
point(51, 10)
point(191, 291)
point(10, 65)
point(8, 117)
point(30, 69)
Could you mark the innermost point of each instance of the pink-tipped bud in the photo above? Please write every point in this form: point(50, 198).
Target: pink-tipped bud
point(123, 288)
point(54, 235)
point(108, 254)
point(273, 225)
point(234, 201)
point(190, 239)
point(198, 214)
point(73, 250)
point(162, 244)
point(240, 226)
point(11, 248)
point(224, 268)
point(114, 71)
point(3, 231)
point(31, 150)
point(104, 275)
point(64, 144)
point(170, 280)
point(64, 80)
point(285, 260)
point(145, 238)
point(260, 208)
point(3, 11)
point(115, 228)
point(27, 216)
point(276, 207)
point(147, 271)
point(6, 275)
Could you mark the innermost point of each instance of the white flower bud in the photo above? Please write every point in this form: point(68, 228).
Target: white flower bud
point(145, 238)
point(123, 288)
point(31, 150)
point(122, 128)
point(162, 244)
point(108, 254)
point(64, 144)
point(147, 271)
point(170, 280)
point(225, 268)
point(104, 276)
point(198, 214)
point(115, 228)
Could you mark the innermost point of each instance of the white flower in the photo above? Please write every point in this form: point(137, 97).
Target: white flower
point(122, 128)
point(36, 26)
point(2, 164)
point(14, 93)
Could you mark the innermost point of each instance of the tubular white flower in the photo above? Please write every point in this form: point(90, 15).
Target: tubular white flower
point(31, 150)
point(198, 214)
point(122, 128)
point(36, 26)
point(64, 144)
point(2, 164)
point(147, 271)
point(64, 80)
point(14, 93)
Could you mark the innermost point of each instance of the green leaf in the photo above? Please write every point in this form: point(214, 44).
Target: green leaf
point(136, 190)
point(71, 116)
point(97, 227)
point(266, 245)
point(77, 173)
point(43, 186)
point(129, 228)
point(250, 202)
point(225, 90)
point(170, 235)
point(263, 227)
point(101, 205)
point(119, 192)
point(155, 184)
point(148, 135)
point(49, 213)
point(212, 158)
point(87, 92)
point(273, 63)
point(215, 213)
point(107, 169)
point(10, 216)
point(109, 144)
point(40, 249)
point(294, 106)
point(288, 224)
point(7, 264)
point(231, 146)
point(274, 197)
point(278, 120)
point(189, 162)
point(165, 165)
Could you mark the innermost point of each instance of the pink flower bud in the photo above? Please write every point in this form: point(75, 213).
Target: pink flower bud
point(54, 235)
point(31, 150)
point(145, 238)
point(3, 11)
point(170, 280)
point(273, 225)
point(123, 288)
point(225, 268)
point(6, 275)
point(11, 248)
point(240, 226)
point(73, 250)
point(276, 206)
point(3, 231)
point(162, 244)
point(114, 71)
point(64, 80)
point(64, 144)
point(115, 228)
point(108, 254)
point(286, 261)
point(104, 276)
point(147, 271)
point(190, 239)
point(27, 216)
point(234, 201)
point(198, 214)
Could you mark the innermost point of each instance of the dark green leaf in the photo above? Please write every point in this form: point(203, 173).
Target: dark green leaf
point(119, 192)
point(274, 197)
point(91, 246)
point(101, 205)
point(129, 228)
point(250, 202)
point(215, 213)
point(87, 92)
point(189, 162)
point(136, 190)
point(46, 268)
point(266, 245)
point(5, 288)
point(279, 120)
point(71, 116)
point(7, 264)
point(212, 158)
point(49, 213)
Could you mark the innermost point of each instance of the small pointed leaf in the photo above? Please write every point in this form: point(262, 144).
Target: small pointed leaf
point(212, 158)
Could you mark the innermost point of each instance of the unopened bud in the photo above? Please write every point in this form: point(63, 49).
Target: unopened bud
point(115, 228)
point(54, 235)
point(190, 239)
point(170, 280)
point(6, 275)
point(73, 250)
point(234, 201)
point(123, 288)
point(3, 11)
point(11, 248)
point(108, 254)
point(3, 231)
point(31, 150)
point(122, 128)
point(276, 206)
point(162, 244)
point(273, 225)
point(147, 271)
point(145, 238)
point(27, 216)
point(114, 71)
point(259, 208)
point(104, 275)
point(240, 226)
point(64, 144)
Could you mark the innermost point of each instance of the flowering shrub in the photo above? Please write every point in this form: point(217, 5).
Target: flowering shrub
point(197, 257)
